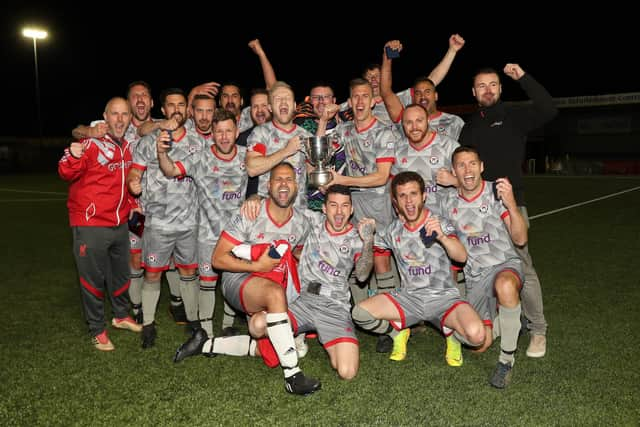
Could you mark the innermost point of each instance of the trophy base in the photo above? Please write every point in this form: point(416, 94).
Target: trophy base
point(319, 178)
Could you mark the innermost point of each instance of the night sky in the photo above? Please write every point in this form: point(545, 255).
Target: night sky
point(92, 56)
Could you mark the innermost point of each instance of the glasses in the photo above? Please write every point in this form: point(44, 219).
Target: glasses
point(321, 97)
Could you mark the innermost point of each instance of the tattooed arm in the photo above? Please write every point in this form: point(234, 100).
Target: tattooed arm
point(366, 227)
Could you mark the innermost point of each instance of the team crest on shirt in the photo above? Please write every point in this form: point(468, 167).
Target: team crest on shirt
point(440, 130)
point(292, 238)
point(343, 249)
point(193, 148)
point(484, 209)
point(366, 142)
point(242, 166)
point(433, 160)
point(205, 266)
point(152, 258)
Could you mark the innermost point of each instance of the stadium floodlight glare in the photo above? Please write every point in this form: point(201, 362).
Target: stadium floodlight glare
point(36, 34)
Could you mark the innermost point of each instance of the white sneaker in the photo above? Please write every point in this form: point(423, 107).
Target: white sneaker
point(301, 346)
point(537, 346)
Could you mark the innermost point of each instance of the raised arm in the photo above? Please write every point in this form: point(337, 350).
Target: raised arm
point(456, 42)
point(168, 166)
point(267, 70)
point(392, 102)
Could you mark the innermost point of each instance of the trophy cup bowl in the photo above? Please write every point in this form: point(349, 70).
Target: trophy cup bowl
point(319, 151)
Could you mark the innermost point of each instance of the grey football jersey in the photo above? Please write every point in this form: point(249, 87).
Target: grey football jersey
point(446, 124)
point(328, 258)
point(170, 203)
point(418, 265)
point(435, 155)
point(267, 139)
point(222, 185)
point(479, 223)
point(264, 230)
point(365, 148)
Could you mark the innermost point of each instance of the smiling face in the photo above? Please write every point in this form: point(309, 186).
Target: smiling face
point(117, 115)
point(338, 209)
point(487, 89)
point(225, 134)
point(282, 105)
point(409, 201)
point(320, 96)
point(260, 113)
point(231, 99)
point(415, 123)
point(468, 168)
point(424, 93)
point(283, 187)
point(140, 102)
point(361, 101)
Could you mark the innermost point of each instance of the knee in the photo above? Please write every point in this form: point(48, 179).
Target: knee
point(258, 325)
point(506, 290)
point(347, 371)
point(476, 334)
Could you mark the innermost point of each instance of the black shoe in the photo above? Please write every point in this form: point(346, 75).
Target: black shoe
point(384, 344)
point(230, 331)
point(138, 317)
point(149, 335)
point(178, 314)
point(501, 377)
point(192, 347)
point(193, 326)
point(301, 385)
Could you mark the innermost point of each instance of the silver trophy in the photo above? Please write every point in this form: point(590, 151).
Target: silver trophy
point(319, 151)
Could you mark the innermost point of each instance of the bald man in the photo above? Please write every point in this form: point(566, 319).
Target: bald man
point(99, 206)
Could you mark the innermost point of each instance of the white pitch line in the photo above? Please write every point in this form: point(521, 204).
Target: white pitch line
point(28, 200)
point(32, 191)
point(584, 203)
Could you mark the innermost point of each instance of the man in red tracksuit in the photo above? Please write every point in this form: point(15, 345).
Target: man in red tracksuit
point(99, 206)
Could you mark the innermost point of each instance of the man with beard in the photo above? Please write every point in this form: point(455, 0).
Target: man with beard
point(171, 210)
point(98, 210)
point(425, 151)
point(427, 292)
point(277, 141)
point(372, 73)
point(499, 132)
point(488, 222)
point(220, 175)
point(422, 92)
point(251, 286)
point(260, 114)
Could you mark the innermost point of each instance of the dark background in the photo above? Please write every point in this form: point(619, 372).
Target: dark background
point(95, 50)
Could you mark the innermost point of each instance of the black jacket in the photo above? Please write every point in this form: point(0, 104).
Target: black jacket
point(500, 133)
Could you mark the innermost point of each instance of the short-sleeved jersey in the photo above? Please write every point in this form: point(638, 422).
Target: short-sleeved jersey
point(328, 258)
point(426, 161)
point(267, 139)
point(446, 124)
point(170, 203)
point(264, 230)
point(418, 265)
point(221, 188)
point(380, 110)
point(479, 223)
point(365, 148)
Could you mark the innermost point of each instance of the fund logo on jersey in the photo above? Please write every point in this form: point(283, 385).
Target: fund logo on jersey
point(419, 270)
point(478, 240)
point(329, 269)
